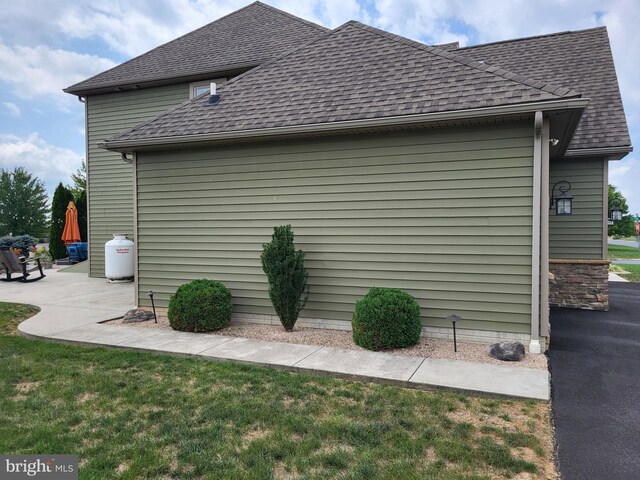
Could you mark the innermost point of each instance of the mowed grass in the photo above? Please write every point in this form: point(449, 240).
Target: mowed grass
point(631, 272)
point(619, 252)
point(140, 415)
point(11, 314)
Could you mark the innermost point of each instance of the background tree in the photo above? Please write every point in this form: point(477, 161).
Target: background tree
point(23, 204)
point(625, 227)
point(61, 198)
point(79, 181)
point(81, 206)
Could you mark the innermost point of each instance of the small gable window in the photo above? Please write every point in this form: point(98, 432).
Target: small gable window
point(199, 88)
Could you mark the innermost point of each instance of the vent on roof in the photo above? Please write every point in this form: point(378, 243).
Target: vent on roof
point(213, 97)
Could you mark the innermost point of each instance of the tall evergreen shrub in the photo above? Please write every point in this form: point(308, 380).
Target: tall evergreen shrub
point(61, 198)
point(81, 206)
point(284, 267)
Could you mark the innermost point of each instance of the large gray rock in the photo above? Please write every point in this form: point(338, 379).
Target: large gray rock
point(508, 351)
point(137, 315)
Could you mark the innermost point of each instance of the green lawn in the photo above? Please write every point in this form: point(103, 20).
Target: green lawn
point(618, 252)
point(140, 415)
point(11, 314)
point(633, 274)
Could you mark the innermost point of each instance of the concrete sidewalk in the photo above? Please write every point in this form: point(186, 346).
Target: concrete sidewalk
point(73, 306)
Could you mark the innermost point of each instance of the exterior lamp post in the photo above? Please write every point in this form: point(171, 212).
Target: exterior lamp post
point(153, 305)
point(563, 200)
point(453, 319)
point(615, 214)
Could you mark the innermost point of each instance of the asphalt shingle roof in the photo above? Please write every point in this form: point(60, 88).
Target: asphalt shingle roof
point(354, 72)
point(248, 37)
point(580, 60)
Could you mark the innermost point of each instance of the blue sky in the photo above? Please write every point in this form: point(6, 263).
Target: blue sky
point(46, 46)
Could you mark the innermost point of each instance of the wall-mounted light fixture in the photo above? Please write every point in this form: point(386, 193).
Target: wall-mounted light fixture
point(615, 213)
point(563, 200)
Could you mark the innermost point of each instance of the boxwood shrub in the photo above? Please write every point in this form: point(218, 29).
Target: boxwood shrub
point(200, 306)
point(386, 318)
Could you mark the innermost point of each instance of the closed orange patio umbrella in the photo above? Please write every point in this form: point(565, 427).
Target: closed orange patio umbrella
point(71, 232)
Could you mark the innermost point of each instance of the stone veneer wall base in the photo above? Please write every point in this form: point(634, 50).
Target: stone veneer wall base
point(581, 284)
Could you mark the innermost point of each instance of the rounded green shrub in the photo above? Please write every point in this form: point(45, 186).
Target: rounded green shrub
point(200, 306)
point(386, 318)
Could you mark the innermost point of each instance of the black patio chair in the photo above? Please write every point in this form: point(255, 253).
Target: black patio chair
point(13, 264)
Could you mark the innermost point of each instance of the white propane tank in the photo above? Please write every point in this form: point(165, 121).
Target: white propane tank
point(119, 258)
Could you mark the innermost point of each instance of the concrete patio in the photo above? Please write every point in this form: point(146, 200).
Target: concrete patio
point(73, 305)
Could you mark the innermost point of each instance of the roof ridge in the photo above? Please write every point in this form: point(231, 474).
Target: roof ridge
point(290, 15)
point(256, 4)
point(450, 55)
point(162, 45)
point(532, 37)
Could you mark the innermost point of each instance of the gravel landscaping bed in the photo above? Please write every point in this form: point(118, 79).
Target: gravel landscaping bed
point(428, 347)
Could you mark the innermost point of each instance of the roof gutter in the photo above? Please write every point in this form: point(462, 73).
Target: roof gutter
point(614, 153)
point(563, 104)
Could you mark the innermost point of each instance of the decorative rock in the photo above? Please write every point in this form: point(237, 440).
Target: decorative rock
point(508, 351)
point(137, 315)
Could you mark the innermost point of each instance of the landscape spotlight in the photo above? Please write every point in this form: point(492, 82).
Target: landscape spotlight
point(153, 305)
point(453, 319)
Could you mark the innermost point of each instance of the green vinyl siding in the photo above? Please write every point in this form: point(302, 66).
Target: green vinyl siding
point(111, 179)
point(579, 235)
point(444, 214)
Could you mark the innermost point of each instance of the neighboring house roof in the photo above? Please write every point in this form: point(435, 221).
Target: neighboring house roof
point(352, 73)
point(580, 60)
point(240, 40)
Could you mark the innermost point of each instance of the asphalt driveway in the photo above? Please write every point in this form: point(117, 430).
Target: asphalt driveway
point(595, 371)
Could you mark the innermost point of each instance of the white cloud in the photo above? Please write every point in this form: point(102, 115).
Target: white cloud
point(14, 110)
point(430, 22)
point(625, 175)
point(622, 20)
point(41, 72)
point(50, 163)
point(134, 28)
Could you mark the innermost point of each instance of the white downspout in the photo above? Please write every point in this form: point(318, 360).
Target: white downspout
point(544, 237)
point(136, 282)
point(87, 179)
point(534, 344)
